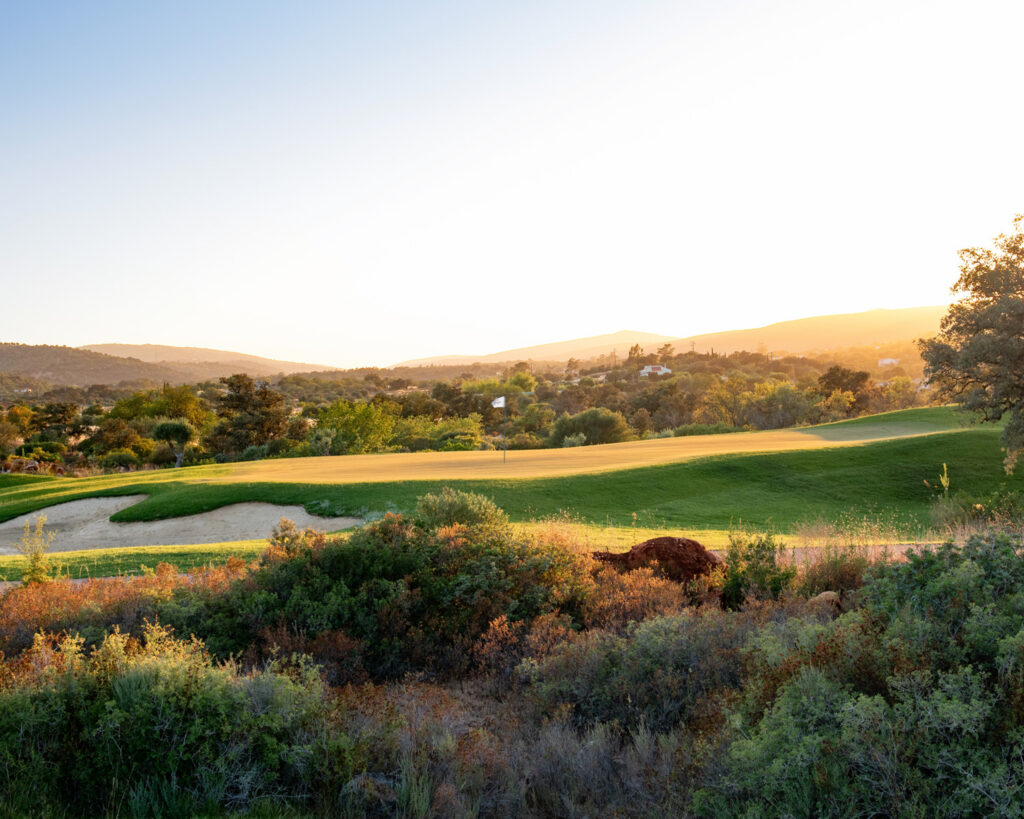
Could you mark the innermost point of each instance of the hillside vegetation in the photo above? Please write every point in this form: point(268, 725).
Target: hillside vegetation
point(444, 663)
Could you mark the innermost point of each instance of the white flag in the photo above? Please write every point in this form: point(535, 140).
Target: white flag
point(498, 402)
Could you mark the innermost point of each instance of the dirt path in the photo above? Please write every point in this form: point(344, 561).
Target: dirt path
point(85, 524)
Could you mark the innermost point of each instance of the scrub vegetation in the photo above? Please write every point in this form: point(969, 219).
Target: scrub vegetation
point(444, 662)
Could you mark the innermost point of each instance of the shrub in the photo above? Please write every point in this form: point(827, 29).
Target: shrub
point(835, 568)
point(119, 459)
point(600, 425)
point(621, 598)
point(752, 569)
point(93, 607)
point(414, 594)
point(156, 727)
point(705, 429)
point(525, 440)
point(451, 506)
point(254, 452)
point(34, 545)
point(660, 673)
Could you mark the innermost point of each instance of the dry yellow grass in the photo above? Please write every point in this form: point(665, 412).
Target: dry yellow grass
point(546, 463)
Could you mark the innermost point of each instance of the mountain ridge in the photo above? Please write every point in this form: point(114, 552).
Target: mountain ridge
point(795, 337)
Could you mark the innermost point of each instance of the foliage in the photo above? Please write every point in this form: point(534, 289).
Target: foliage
point(158, 728)
point(119, 459)
point(251, 415)
point(753, 569)
point(34, 544)
point(662, 672)
point(599, 425)
point(704, 429)
point(975, 359)
point(412, 593)
point(357, 427)
point(912, 705)
point(177, 434)
point(451, 507)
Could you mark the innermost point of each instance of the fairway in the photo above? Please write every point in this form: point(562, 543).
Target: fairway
point(868, 472)
point(323, 484)
point(543, 463)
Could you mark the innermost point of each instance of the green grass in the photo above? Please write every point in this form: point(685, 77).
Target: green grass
point(112, 562)
point(778, 491)
point(900, 422)
point(779, 488)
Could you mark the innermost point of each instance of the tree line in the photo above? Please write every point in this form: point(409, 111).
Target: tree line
point(580, 403)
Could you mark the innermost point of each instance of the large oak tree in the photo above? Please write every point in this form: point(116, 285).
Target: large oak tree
point(977, 359)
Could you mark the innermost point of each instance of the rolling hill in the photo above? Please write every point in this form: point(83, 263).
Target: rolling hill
point(68, 366)
point(589, 347)
point(117, 363)
point(820, 333)
point(815, 334)
point(188, 358)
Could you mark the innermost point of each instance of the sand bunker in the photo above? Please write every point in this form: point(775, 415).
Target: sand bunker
point(85, 524)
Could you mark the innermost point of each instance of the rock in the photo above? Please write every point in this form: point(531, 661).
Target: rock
point(678, 558)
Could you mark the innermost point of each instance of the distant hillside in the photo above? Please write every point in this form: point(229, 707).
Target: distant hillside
point(820, 333)
point(211, 363)
point(582, 348)
point(73, 367)
point(809, 335)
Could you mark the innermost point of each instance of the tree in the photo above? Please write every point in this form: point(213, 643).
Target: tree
point(599, 425)
point(358, 427)
point(177, 435)
point(251, 415)
point(841, 379)
point(55, 421)
point(10, 437)
point(977, 359)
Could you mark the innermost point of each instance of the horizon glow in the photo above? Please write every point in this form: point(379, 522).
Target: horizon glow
point(348, 185)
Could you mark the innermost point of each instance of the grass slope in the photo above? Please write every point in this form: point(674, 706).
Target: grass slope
point(778, 488)
point(112, 562)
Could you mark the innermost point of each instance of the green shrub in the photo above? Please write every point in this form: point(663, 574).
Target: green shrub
point(411, 594)
point(254, 452)
point(752, 569)
point(660, 673)
point(836, 568)
point(705, 429)
point(932, 748)
point(119, 458)
point(451, 506)
point(158, 729)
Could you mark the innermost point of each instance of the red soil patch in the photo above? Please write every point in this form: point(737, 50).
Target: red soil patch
point(678, 558)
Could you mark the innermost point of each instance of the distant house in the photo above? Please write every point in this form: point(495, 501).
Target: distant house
point(655, 369)
point(888, 362)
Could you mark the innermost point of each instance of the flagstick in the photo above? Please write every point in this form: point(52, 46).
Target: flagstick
point(504, 433)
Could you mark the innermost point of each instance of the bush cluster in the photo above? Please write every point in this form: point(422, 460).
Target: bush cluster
point(589, 692)
point(154, 727)
point(912, 705)
point(401, 594)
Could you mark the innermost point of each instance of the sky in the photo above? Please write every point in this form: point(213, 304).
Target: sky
point(363, 183)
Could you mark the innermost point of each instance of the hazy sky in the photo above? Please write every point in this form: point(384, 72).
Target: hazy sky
point(353, 183)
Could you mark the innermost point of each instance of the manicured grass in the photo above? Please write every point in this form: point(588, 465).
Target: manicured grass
point(112, 562)
point(777, 489)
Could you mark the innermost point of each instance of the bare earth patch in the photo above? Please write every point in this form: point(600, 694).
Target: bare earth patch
point(85, 524)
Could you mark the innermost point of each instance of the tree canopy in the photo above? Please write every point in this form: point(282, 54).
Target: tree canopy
point(977, 359)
